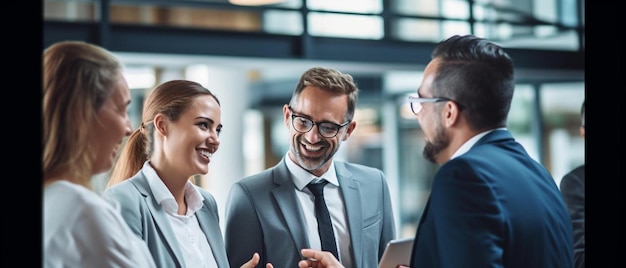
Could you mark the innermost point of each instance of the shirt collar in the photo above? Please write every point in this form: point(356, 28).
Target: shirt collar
point(164, 197)
point(470, 143)
point(302, 177)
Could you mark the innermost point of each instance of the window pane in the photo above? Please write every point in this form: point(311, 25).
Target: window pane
point(457, 9)
point(356, 6)
point(521, 118)
point(428, 30)
point(70, 10)
point(282, 22)
point(416, 7)
point(565, 148)
point(533, 37)
point(353, 26)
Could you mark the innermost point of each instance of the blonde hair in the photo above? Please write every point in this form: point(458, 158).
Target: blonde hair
point(171, 99)
point(77, 79)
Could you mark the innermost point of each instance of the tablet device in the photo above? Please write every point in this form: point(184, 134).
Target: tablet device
point(397, 252)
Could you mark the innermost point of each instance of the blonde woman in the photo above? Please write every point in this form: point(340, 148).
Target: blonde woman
point(85, 103)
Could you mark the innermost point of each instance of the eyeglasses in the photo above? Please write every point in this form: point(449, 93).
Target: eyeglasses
point(325, 129)
point(416, 102)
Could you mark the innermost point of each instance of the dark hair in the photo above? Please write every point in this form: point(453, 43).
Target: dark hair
point(330, 80)
point(478, 75)
point(171, 99)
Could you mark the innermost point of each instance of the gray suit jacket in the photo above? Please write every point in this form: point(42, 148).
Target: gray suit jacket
point(149, 221)
point(263, 215)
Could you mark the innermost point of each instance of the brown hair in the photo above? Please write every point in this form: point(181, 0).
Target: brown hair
point(171, 99)
point(77, 79)
point(330, 80)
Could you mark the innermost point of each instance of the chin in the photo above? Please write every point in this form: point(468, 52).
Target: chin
point(202, 170)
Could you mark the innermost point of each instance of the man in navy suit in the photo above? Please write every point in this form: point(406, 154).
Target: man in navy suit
point(491, 204)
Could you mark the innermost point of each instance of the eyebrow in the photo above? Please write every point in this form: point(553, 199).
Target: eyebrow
point(210, 120)
point(311, 118)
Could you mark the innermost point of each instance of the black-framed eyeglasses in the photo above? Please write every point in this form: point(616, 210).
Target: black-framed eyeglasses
point(304, 125)
point(416, 102)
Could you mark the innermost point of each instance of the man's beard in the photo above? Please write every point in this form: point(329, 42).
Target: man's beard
point(310, 164)
point(440, 142)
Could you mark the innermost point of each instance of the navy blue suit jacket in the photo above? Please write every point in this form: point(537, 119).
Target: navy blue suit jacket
point(494, 206)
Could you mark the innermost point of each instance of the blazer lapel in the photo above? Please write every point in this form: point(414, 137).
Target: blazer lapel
point(210, 227)
point(285, 196)
point(160, 218)
point(352, 198)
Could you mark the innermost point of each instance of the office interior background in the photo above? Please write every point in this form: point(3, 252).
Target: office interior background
point(251, 56)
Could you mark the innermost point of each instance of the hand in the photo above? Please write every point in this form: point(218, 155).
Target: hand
point(254, 261)
point(318, 259)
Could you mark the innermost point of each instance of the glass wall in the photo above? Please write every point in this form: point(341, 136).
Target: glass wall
point(513, 23)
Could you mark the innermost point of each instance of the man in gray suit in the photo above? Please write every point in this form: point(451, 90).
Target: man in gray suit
point(273, 212)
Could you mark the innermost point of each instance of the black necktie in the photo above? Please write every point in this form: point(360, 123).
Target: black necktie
point(324, 224)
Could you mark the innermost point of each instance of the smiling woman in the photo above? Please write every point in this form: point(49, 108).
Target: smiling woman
point(179, 133)
point(181, 122)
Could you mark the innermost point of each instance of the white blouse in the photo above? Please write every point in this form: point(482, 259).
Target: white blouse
point(81, 229)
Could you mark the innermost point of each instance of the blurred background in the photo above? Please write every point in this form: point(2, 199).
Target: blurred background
point(251, 54)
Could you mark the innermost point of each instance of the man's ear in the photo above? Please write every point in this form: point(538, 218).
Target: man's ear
point(349, 128)
point(451, 114)
point(286, 116)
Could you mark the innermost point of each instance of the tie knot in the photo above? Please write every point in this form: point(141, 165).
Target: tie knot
point(317, 188)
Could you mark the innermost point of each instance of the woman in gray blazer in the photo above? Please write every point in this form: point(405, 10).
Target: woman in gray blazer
point(152, 179)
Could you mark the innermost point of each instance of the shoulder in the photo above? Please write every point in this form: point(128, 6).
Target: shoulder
point(369, 174)
point(574, 177)
point(263, 177)
point(127, 187)
point(124, 193)
point(84, 203)
point(354, 167)
point(578, 172)
point(205, 194)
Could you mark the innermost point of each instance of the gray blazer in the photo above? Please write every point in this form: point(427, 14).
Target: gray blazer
point(263, 215)
point(149, 221)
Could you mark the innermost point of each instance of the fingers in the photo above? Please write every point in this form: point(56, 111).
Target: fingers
point(253, 262)
point(319, 259)
point(313, 253)
point(305, 264)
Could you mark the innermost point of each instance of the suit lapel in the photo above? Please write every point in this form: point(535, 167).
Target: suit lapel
point(213, 235)
point(160, 218)
point(350, 189)
point(285, 196)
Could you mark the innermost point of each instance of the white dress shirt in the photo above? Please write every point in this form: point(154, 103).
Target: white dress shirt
point(334, 202)
point(191, 239)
